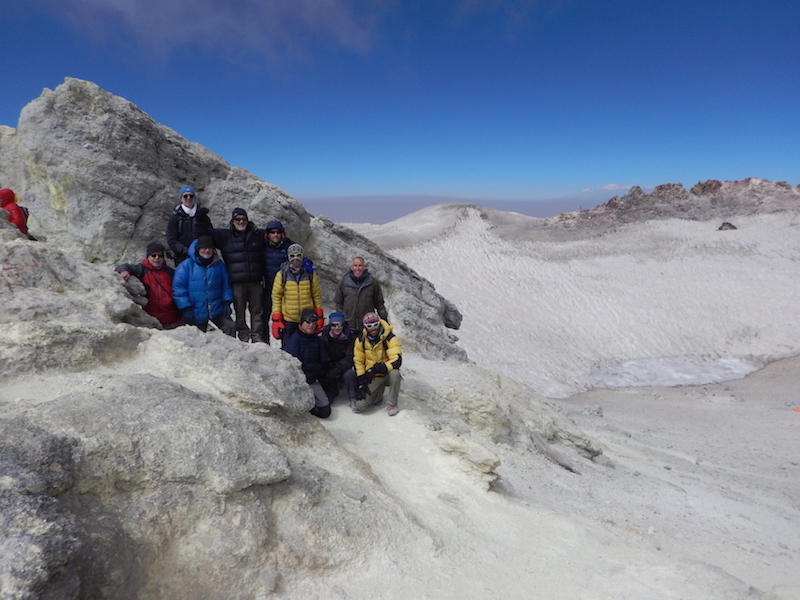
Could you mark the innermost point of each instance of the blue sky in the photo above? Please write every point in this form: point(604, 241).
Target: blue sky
point(404, 102)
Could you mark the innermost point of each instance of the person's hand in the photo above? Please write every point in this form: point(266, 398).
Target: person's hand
point(380, 368)
point(366, 378)
point(125, 275)
point(202, 211)
point(278, 326)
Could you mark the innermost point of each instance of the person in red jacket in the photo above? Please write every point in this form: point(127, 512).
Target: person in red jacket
point(157, 279)
point(18, 215)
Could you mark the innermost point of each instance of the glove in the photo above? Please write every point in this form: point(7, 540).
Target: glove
point(333, 374)
point(380, 368)
point(31, 238)
point(366, 378)
point(188, 315)
point(320, 320)
point(278, 326)
point(227, 311)
point(362, 392)
point(202, 211)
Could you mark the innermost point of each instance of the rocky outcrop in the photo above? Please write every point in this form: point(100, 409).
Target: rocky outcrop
point(100, 178)
point(706, 200)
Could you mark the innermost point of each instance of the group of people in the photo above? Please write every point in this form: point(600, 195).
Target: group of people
point(262, 272)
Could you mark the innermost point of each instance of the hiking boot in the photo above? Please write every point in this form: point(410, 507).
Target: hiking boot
point(392, 409)
point(353, 407)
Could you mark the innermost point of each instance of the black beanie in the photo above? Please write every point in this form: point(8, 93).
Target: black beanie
point(205, 241)
point(154, 247)
point(239, 212)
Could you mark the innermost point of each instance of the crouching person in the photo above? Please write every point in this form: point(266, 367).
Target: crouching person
point(201, 289)
point(156, 277)
point(305, 345)
point(338, 339)
point(377, 356)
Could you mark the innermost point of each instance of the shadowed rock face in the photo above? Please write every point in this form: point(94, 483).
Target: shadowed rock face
point(101, 177)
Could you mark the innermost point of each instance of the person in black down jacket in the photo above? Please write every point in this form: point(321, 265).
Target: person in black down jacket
point(339, 339)
point(307, 346)
point(180, 227)
point(242, 246)
point(276, 244)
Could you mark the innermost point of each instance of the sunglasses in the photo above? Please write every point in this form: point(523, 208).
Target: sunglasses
point(188, 195)
point(309, 320)
point(337, 325)
point(157, 255)
point(295, 255)
point(240, 219)
point(271, 231)
point(371, 325)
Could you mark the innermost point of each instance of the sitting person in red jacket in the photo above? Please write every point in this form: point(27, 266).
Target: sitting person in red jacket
point(157, 279)
point(18, 215)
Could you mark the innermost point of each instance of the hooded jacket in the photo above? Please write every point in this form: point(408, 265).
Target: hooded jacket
point(17, 215)
point(203, 289)
point(385, 349)
point(158, 287)
point(292, 293)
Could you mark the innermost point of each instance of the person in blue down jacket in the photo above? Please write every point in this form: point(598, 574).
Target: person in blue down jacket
point(201, 290)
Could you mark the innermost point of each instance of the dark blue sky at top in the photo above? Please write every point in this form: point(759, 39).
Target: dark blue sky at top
point(478, 99)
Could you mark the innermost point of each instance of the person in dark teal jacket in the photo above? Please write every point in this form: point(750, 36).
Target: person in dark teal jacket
point(201, 290)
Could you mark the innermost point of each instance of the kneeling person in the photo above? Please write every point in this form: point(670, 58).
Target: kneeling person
point(338, 339)
point(309, 349)
point(377, 356)
point(156, 277)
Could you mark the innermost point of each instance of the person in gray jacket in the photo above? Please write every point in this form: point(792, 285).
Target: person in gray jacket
point(359, 293)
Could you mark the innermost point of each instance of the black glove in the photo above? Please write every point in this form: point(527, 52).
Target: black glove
point(202, 211)
point(380, 368)
point(366, 378)
point(362, 392)
point(188, 315)
point(333, 374)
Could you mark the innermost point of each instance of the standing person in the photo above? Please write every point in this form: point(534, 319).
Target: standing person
point(359, 293)
point(201, 289)
point(276, 245)
point(156, 277)
point(377, 356)
point(17, 215)
point(180, 227)
point(338, 339)
point(305, 345)
point(294, 289)
point(242, 247)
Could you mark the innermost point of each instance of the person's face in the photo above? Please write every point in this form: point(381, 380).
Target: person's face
point(372, 329)
point(357, 267)
point(336, 328)
point(156, 259)
point(308, 326)
point(205, 252)
point(240, 223)
point(188, 199)
point(274, 235)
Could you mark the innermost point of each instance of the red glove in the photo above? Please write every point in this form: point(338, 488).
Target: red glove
point(320, 320)
point(278, 326)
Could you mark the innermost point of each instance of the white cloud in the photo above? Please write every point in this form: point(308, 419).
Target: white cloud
point(273, 29)
point(615, 187)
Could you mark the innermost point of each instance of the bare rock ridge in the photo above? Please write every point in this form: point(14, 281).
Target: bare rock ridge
point(705, 200)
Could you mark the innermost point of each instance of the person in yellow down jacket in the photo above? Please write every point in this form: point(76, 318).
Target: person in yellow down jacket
point(295, 287)
point(377, 356)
